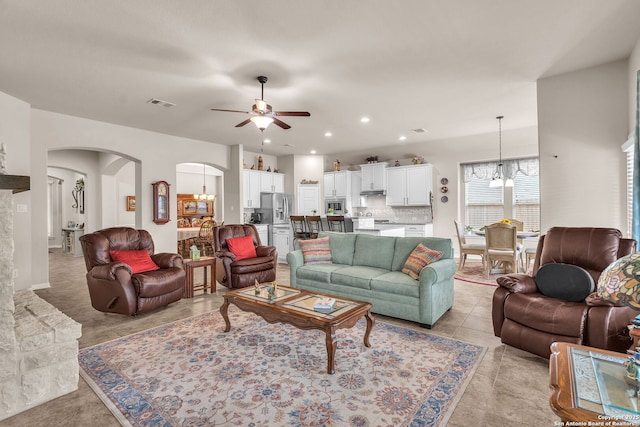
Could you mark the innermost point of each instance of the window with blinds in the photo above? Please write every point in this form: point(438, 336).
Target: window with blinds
point(485, 205)
point(629, 152)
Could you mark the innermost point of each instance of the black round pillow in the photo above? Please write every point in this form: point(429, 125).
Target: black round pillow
point(564, 281)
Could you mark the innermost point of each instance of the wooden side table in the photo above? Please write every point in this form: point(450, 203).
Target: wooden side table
point(578, 386)
point(190, 266)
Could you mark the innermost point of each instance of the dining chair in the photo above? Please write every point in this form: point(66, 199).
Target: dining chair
point(519, 227)
point(204, 240)
point(468, 248)
point(502, 246)
point(336, 223)
point(299, 227)
point(314, 225)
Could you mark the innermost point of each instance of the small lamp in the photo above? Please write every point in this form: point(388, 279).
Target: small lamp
point(620, 283)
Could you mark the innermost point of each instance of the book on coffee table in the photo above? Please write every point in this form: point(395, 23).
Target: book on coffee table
point(324, 304)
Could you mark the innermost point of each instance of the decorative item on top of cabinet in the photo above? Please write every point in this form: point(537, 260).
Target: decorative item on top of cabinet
point(260, 163)
point(417, 160)
point(372, 159)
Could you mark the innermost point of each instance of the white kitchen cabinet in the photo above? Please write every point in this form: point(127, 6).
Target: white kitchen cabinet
point(251, 188)
point(363, 222)
point(308, 199)
point(271, 182)
point(336, 184)
point(409, 185)
point(263, 232)
point(373, 176)
point(282, 240)
point(418, 230)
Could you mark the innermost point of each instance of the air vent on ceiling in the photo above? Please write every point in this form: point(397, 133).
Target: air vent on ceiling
point(156, 101)
point(419, 130)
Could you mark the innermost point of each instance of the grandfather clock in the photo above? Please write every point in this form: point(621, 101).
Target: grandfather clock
point(161, 202)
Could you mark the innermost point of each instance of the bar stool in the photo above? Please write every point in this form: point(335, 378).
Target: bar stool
point(314, 225)
point(336, 223)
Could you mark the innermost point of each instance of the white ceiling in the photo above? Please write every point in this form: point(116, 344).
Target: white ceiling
point(448, 66)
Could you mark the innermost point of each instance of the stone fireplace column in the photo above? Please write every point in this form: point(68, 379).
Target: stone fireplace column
point(38, 343)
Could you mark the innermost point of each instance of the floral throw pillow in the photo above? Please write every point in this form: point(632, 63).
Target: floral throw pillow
point(419, 259)
point(316, 251)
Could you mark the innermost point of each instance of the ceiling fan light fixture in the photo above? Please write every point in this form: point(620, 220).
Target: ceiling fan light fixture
point(262, 122)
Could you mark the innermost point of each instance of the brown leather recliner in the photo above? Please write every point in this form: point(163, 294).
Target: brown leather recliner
point(525, 318)
point(242, 273)
point(113, 288)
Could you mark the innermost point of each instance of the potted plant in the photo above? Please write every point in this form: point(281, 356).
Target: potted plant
point(313, 211)
point(330, 210)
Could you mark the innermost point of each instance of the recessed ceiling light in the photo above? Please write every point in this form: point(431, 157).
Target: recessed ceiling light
point(420, 130)
point(365, 120)
point(267, 141)
point(313, 151)
point(402, 138)
point(328, 134)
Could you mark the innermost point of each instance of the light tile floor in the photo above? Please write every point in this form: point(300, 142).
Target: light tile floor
point(509, 388)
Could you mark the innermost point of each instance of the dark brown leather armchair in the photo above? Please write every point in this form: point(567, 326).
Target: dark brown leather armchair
point(113, 288)
point(242, 273)
point(525, 318)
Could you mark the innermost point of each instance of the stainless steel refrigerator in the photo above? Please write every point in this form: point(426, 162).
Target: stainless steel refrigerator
point(275, 208)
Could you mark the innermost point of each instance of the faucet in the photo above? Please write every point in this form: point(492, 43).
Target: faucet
point(369, 214)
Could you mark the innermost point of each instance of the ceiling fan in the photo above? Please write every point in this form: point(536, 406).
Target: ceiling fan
point(263, 114)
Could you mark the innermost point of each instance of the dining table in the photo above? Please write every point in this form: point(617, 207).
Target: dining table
point(519, 234)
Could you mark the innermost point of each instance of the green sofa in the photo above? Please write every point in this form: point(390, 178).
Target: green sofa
point(368, 268)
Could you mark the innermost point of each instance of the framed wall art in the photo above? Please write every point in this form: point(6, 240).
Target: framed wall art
point(131, 203)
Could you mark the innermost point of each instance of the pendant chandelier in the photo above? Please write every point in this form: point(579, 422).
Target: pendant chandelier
point(499, 179)
point(204, 195)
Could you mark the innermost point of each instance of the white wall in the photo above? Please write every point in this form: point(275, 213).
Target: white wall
point(582, 122)
point(15, 133)
point(446, 157)
point(156, 154)
point(634, 67)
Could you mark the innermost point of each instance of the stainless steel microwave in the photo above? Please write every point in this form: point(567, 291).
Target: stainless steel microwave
point(337, 205)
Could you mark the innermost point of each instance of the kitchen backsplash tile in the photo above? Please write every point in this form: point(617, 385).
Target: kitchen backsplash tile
point(377, 207)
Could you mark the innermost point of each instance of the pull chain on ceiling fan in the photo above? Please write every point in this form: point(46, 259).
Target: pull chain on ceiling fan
point(263, 114)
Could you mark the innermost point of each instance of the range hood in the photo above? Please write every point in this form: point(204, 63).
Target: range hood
point(373, 193)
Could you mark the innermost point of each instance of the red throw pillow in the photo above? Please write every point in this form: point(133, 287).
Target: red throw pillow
point(139, 261)
point(242, 247)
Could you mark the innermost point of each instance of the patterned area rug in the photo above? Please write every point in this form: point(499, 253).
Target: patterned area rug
point(473, 272)
point(190, 373)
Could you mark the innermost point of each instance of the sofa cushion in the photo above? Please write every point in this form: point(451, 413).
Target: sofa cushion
point(342, 246)
point(396, 282)
point(419, 259)
point(406, 245)
point(356, 276)
point(139, 261)
point(316, 251)
point(317, 272)
point(564, 281)
point(242, 247)
point(374, 251)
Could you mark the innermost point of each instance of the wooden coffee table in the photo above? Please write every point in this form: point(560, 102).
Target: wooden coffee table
point(295, 307)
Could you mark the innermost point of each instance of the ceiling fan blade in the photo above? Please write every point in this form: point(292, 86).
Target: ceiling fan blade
point(280, 123)
point(230, 111)
point(292, 113)
point(239, 125)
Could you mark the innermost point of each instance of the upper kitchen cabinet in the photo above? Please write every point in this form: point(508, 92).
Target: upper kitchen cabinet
point(336, 184)
point(373, 176)
point(251, 188)
point(271, 182)
point(409, 185)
